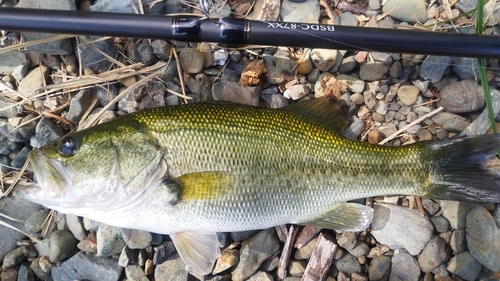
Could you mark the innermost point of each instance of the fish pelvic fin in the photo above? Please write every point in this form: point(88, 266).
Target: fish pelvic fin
point(344, 217)
point(459, 171)
point(198, 250)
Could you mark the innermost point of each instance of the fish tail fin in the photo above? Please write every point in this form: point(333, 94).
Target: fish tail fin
point(460, 172)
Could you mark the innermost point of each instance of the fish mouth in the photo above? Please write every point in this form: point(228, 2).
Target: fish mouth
point(50, 175)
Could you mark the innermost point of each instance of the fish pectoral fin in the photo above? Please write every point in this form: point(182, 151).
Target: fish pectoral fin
point(203, 185)
point(344, 217)
point(198, 250)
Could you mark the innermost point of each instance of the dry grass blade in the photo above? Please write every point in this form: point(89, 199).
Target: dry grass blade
point(35, 42)
point(19, 230)
point(18, 176)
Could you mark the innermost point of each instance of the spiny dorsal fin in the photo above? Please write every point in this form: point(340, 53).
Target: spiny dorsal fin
point(327, 110)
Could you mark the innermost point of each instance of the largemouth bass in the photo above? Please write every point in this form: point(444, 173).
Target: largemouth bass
point(193, 170)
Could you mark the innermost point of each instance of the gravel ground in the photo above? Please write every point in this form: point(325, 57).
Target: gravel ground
point(397, 99)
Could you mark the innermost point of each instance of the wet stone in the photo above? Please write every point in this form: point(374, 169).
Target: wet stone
point(62, 244)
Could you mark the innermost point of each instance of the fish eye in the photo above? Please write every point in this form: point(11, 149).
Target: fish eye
point(68, 146)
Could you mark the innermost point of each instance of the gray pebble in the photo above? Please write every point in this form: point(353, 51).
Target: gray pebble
point(346, 19)
point(404, 267)
point(171, 269)
point(79, 105)
point(348, 65)
point(410, 11)
point(235, 92)
point(393, 106)
point(455, 212)
point(37, 269)
point(461, 97)
point(136, 239)
point(380, 268)
point(161, 49)
point(128, 256)
point(347, 240)
point(386, 228)
point(135, 273)
point(109, 240)
point(150, 95)
point(313, 76)
point(270, 264)
point(274, 100)
point(192, 61)
point(35, 222)
point(20, 71)
point(146, 53)
point(348, 264)
point(372, 71)
point(370, 99)
point(163, 251)
point(62, 245)
point(92, 59)
point(378, 117)
point(354, 84)
point(20, 158)
point(433, 255)
point(254, 252)
point(75, 225)
point(441, 224)
point(279, 68)
point(355, 129)
point(13, 258)
point(11, 111)
point(466, 5)
point(433, 67)
point(481, 125)
point(395, 70)
point(24, 273)
point(45, 132)
point(107, 93)
point(464, 266)
point(455, 126)
point(87, 267)
point(10, 60)
point(483, 238)
point(357, 98)
point(466, 68)
point(457, 241)
point(387, 129)
point(360, 249)
point(303, 11)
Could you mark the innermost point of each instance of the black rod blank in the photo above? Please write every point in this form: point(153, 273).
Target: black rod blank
point(233, 31)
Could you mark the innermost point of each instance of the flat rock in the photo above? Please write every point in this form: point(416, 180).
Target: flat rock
point(483, 238)
point(404, 267)
point(433, 68)
point(254, 251)
point(461, 97)
point(464, 266)
point(386, 228)
point(408, 94)
point(87, 267)
point(10, 60)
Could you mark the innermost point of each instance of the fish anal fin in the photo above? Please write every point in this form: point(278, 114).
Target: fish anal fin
point(328, 110)
point(198, 250)
point(344, 217)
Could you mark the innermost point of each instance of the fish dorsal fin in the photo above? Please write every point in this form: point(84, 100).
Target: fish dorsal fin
point(327, 110)
point(197, 186)
point(344, 217)
point(198, 250)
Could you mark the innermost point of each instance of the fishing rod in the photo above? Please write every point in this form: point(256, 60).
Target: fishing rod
point(237, 32)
